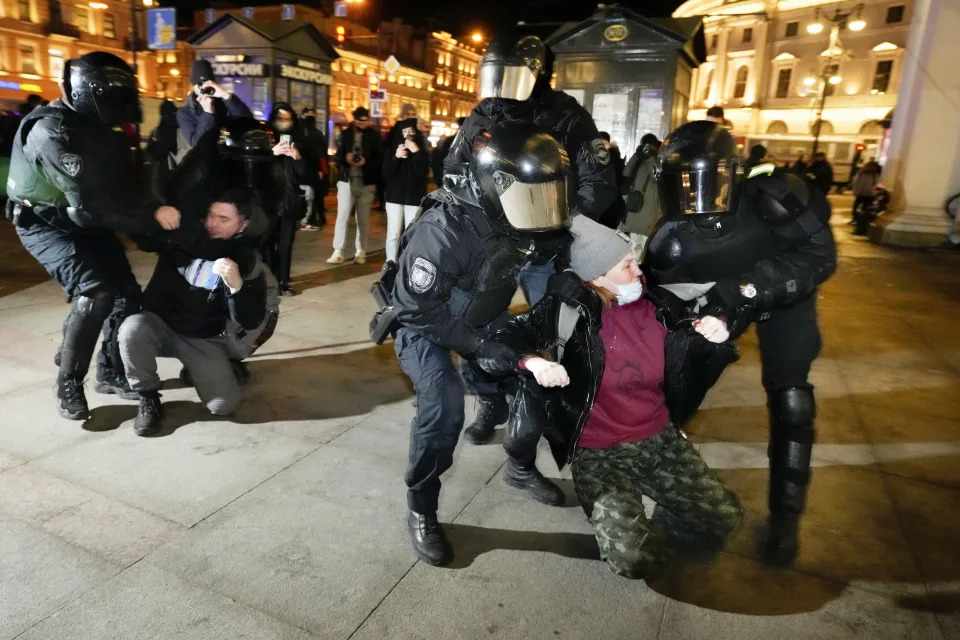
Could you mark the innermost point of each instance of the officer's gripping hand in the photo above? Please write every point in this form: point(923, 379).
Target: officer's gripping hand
point(546, 373)
point(711, 328)
point(168, 217)
point(230, 272)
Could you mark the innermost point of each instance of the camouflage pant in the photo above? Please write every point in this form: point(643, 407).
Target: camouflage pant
point(693, 506)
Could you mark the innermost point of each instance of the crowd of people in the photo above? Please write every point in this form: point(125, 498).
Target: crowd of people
point(640, 275)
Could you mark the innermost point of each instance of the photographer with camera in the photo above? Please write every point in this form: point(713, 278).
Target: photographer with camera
point(208, 105)
point(358, 161)
point(405, 172)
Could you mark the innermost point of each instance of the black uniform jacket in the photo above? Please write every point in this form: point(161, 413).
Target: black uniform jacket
point(77, 173)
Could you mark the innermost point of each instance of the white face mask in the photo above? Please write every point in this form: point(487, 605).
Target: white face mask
point(628, 293)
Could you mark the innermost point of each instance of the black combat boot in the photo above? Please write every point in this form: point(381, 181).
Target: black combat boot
point(71, 402)
point(147, 422)
point(493, 411)
point(526, 476)
point(81, 330)
point(112, 382)
point(240, 371)
point(782, 539)
point(429, 541)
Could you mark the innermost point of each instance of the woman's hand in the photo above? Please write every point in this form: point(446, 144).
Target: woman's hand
point(546, 373)
point(713, 329)
point(411, 145)
point(402, 151)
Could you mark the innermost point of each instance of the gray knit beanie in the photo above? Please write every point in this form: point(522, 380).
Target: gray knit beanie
point(595, 248)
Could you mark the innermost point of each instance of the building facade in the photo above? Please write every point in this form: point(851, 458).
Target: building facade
point(454, 67)
point(362, 53)
point(38, 36)
point(772, 73)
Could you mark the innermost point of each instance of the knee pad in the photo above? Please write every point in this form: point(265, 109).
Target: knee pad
point(98, 302)
point(792, 407)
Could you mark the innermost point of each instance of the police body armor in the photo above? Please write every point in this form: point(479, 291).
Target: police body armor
point(29, 186)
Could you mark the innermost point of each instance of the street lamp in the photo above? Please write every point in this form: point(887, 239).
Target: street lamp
point(827, 74)
point(477, 37)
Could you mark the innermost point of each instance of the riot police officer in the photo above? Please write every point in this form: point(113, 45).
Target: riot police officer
point(514, 79)
point(457, 274)
point(70, 188)
point(765, 239)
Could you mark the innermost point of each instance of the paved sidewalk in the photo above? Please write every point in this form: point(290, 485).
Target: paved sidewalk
point(287, 522)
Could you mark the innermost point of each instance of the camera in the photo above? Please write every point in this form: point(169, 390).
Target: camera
point(208, 91)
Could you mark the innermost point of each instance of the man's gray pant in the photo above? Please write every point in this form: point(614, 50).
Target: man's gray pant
point(144, 337)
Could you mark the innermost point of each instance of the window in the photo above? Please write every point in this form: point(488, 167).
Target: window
point(831, 71)
point(28, 62)
point(171, 57)
point(81, 19)
point(706, 86)
point(713, 41)
point(881, 79)
point(748, 34)
point(895, 14)
point(23, 9)
point(740, 85)
point(109, 26)
point(783, 83)
point(792, 29)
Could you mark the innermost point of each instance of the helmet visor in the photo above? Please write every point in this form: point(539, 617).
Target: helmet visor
point(540, 206)
point(707, 191)
point(513, 82)
point(118, 98)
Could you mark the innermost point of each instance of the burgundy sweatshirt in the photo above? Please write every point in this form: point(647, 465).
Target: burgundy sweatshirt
point(630, 405)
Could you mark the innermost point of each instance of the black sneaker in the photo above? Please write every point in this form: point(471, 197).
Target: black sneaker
point(71, 402)
point(492, 412)
point(147, 422)
point(529, 479)
point(113, 383)
point(429, 541)
point(185, 378)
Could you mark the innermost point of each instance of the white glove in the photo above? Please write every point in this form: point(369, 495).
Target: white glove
point(547, 374)
point(713, 329)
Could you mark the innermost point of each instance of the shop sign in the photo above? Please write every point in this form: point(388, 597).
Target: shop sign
point(378, 95)
point(307, 75)
point(254, 69)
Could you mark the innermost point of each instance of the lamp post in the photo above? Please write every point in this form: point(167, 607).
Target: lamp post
point(827, 75)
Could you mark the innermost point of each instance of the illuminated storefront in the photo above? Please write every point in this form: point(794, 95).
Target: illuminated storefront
point(266, 63)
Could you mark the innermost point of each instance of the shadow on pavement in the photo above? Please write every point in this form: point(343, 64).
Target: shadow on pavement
point(471, 542)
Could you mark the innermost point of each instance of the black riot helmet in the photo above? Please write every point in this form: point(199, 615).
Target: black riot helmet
point(249, 153)
point(699, 171)
point(513, 65)
point(101, 85)
point(519, 173)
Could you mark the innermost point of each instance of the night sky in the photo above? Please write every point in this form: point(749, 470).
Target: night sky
point(457, 16)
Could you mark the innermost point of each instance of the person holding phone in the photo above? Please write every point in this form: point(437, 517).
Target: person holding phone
point(290, 209)
point(208, 105)
point(405, 171)
point(359, 165)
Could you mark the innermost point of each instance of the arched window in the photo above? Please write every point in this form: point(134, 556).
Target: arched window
point(871, 129)
point(777, 127)
point(706, 86)
point(826, 128)
point(740, 85)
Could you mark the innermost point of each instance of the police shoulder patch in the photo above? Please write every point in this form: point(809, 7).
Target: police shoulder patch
point(72, 164)
point(422, 275)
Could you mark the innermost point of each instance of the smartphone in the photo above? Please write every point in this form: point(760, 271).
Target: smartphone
point(199, 273)
point(286, 138)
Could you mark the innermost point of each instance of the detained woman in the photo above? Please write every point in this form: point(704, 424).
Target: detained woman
point(609, 416)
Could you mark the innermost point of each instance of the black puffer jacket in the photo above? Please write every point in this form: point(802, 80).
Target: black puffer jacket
point(405, 178)
point(372, 150)
point(693, 365)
